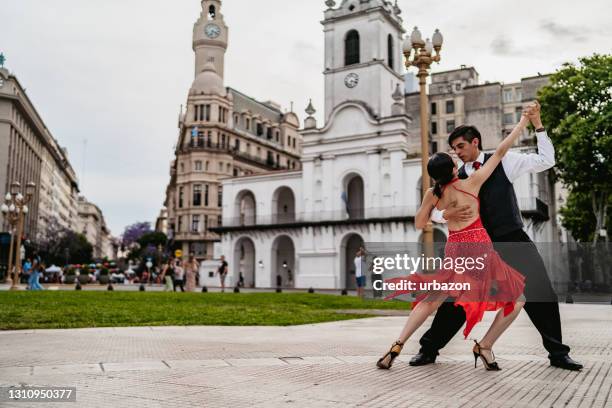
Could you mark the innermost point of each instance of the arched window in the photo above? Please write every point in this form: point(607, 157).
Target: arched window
point(390, 51)
point(351, 48)
point(212, 12)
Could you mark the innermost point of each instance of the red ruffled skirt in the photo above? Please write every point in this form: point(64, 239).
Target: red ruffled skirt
point(493, 284)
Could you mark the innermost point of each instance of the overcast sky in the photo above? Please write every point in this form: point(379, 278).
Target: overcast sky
point(108, 77)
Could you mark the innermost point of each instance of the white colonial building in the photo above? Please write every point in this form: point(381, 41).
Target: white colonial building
point(360, 175)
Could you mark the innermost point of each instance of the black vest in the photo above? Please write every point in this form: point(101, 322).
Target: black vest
point(499, 208)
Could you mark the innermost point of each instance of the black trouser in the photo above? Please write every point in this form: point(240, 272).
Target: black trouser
point(178, 283)
point(526, 259)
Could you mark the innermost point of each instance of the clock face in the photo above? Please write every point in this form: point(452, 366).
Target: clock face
point(212, 30)
point(351, 80)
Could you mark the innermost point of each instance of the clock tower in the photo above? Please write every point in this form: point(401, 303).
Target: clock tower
point(363, 54)
point(210, 35)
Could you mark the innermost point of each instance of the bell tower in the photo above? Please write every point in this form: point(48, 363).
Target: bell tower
point(210, 36)
point(363, 54)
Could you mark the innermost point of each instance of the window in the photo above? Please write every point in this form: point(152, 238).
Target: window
point(508, 118)
point(212, 12)
point(206, 195)
point(220, 167)
point(220, 197)
point(229, 168)
point(237, 144)
point(181, 196)
point(434, 108)
point(180, 224)
point(205, 222)
point(519, 114)
point(434, 147)
point(235, 172)
point(450, 106)
point(198, 165)
point(434, 128)
point(351, 48)
point(182, 167)
point(248, 124)
point(195, 223)
point(270, 159)
point(390, 58)
point(209, 139)
point(207, 113)
point(519, 95)
point(289, 141)
point(293, 140)
point(277, 136)
point(197, 195)
point(219, 219)
point(269, 133)
point(260, 129)
point(196, 112)
point(508, 95)
point(450, 126)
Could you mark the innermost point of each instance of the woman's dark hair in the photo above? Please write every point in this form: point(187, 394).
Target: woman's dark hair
point(440, 168)
point(469, 133)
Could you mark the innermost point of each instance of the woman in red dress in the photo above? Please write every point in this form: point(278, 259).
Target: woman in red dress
point(493, 284)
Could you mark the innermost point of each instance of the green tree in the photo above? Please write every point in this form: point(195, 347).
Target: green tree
point(577, 109)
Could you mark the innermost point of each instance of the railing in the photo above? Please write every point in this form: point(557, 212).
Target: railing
point(321, 216)
point(219, 148)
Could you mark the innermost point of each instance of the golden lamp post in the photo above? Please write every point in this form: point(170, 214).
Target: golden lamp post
point(15, 210)
point(422, 58)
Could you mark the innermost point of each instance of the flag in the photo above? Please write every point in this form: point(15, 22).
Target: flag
point(344, 198)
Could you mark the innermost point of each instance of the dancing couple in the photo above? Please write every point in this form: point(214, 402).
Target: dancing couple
point(479, 205)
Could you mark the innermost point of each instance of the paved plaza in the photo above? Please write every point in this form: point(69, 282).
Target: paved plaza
point(318, 365)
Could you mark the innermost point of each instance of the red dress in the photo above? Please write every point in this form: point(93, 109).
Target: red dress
point(493, 284)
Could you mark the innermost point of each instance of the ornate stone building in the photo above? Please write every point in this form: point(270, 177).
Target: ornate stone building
point(29, 152)
point(222, 133)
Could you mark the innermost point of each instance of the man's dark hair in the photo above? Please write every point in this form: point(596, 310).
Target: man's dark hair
point(467, 132)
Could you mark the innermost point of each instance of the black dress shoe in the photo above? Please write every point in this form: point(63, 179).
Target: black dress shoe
point(566, 363)
point(421, 359)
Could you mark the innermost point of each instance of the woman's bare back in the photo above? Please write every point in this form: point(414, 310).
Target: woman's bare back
point(452, 197)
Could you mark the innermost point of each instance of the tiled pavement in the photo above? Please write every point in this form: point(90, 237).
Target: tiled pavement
point(319, 365)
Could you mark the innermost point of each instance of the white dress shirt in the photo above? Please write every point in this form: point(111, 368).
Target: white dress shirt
point(515, 165)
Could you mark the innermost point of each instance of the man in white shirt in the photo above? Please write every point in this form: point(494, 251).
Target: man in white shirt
point(502, 219)
point(359, 275)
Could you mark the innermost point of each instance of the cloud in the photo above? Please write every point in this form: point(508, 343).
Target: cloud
point(503, 46)
point(559, 30)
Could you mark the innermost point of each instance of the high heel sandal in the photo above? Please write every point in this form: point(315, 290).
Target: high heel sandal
point(477, 350)
point(386, 361)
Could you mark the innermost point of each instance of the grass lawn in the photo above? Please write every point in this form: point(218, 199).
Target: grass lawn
point(73, 309)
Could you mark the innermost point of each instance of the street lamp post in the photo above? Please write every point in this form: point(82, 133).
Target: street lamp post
point(15, 209)
point(422, 58)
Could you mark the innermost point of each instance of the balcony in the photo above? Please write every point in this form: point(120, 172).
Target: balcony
point(534, 208)
point(360, 216)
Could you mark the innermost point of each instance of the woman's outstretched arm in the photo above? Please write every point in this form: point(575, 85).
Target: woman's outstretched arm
point(423, 214)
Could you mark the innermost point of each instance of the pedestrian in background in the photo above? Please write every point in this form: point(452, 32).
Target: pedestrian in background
point(179, 274)
point(191, 268)
point(167, 275)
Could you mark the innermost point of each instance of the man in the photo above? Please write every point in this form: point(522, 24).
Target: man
point(359, 272)
point(501, 218)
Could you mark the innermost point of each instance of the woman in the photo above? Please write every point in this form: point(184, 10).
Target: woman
point(191, 268)
point(167, 275)
point(494, 285)
point(222, 271)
